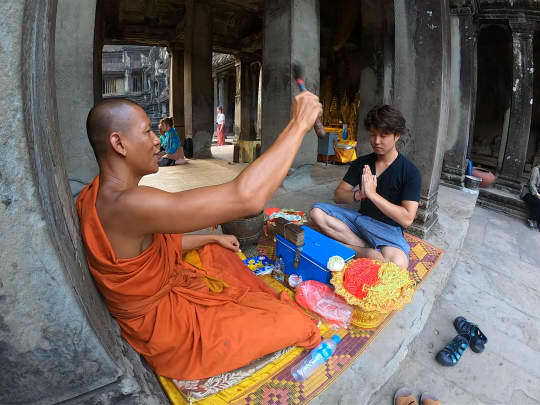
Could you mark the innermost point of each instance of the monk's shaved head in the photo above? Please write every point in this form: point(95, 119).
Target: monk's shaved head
point(106, 117)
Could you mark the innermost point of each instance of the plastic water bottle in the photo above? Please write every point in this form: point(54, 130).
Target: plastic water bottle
point(279, 270)
point(315, 359)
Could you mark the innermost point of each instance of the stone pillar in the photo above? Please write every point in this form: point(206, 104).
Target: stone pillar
point(127, 72)
point(255, 70)
point(216, 96)
point(176, 103)
point(198, 101)
point(421, 93)
point(242, 104)
point(53, 321)
point(229, 91)
point(291, 32)
point(74, 88)
point(462, 95)
point(521, 107)
point(259, 103)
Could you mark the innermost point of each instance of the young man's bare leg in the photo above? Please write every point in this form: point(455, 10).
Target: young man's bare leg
point(393, 254)
point(339, 231)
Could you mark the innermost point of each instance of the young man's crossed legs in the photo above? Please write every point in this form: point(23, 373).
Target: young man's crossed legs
point(342, 232)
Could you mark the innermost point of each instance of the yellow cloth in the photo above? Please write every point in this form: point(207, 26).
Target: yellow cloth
point(345, 155)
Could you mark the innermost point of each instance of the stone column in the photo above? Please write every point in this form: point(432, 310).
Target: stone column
point(259, 103)
point(75, 87)
point(255, 70)
point(291, 32)
point(216, 95)
point(198, 101)
point(127, 72)
point(421, 93)
point(224, 94)
point(176, 103)
point(462, 95)
point(242, 105)
point(53, 320)
point(521, 108)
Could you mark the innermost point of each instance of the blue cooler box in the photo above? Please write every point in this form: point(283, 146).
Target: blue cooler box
point(309, 261)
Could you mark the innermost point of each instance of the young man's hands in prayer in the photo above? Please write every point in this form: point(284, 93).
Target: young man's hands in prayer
point(369, 183)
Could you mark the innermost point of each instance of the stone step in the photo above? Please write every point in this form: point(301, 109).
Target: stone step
point(503, 201)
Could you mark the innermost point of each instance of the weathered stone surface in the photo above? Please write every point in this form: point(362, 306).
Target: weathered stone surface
point(291, 33)
point(421, 93)
point(43, 330)
point(177, 91)
point(494, 287)
point(497, 5)
point(58, 341)
point(462, 96)
point(198, 92)
point(74, 87)
point(521, 105)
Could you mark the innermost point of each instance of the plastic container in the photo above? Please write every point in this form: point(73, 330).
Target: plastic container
point(315, 359)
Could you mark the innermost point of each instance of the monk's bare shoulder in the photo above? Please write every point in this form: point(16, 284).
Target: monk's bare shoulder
point(137, 207)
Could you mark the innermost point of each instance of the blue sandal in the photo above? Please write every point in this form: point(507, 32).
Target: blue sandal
point(450, 355)
point(477, 339)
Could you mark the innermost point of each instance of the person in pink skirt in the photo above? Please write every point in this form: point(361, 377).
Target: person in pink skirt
point(220, 126)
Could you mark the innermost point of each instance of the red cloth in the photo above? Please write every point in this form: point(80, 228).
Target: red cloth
point(220, 135)
point(167, 312)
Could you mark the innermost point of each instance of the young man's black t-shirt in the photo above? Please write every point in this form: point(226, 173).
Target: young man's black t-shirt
point(399, 182)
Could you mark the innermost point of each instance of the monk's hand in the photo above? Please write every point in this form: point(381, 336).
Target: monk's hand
point(306, 110)
point(369, 183)
point(229, 242)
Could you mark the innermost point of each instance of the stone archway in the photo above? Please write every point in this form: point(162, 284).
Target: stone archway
point(58, 340)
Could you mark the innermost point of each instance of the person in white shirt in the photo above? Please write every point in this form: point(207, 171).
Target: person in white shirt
point(220, 125)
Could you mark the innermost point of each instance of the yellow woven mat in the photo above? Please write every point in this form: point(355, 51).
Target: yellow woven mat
point(274, 385)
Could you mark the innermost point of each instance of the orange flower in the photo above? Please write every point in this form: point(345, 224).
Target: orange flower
point(360, 274)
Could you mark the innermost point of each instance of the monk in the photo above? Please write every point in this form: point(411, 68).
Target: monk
point(186, 303)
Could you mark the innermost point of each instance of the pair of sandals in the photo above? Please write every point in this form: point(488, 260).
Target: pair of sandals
point(404, 396)
point(469, 334)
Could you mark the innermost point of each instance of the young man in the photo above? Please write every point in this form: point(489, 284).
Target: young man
point(191, 313)
point(388, 193)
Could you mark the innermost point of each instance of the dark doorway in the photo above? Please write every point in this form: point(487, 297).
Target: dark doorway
point(493, 96)
point(533, 150)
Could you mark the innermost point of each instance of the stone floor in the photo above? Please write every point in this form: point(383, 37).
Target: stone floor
point(488, 274)
point(495, 284)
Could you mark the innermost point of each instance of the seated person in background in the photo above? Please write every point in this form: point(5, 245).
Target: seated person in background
point(187, 303)
point(388, 193)
point(171, 143)
point(532, 198)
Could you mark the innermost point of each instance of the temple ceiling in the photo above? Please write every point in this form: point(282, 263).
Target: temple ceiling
point(237, 24)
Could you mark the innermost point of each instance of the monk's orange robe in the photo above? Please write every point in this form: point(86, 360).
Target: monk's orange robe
point(168, 313)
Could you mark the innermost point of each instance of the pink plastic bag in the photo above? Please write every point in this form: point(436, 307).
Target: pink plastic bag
point(322, 300)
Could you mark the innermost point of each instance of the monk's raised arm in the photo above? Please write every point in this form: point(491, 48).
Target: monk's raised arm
point(147, 210)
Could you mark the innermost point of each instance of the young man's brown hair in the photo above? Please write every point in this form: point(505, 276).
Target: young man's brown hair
point(386, 119)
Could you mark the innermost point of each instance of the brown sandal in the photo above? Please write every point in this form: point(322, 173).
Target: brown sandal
point(429, 399)
point(404, 396)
